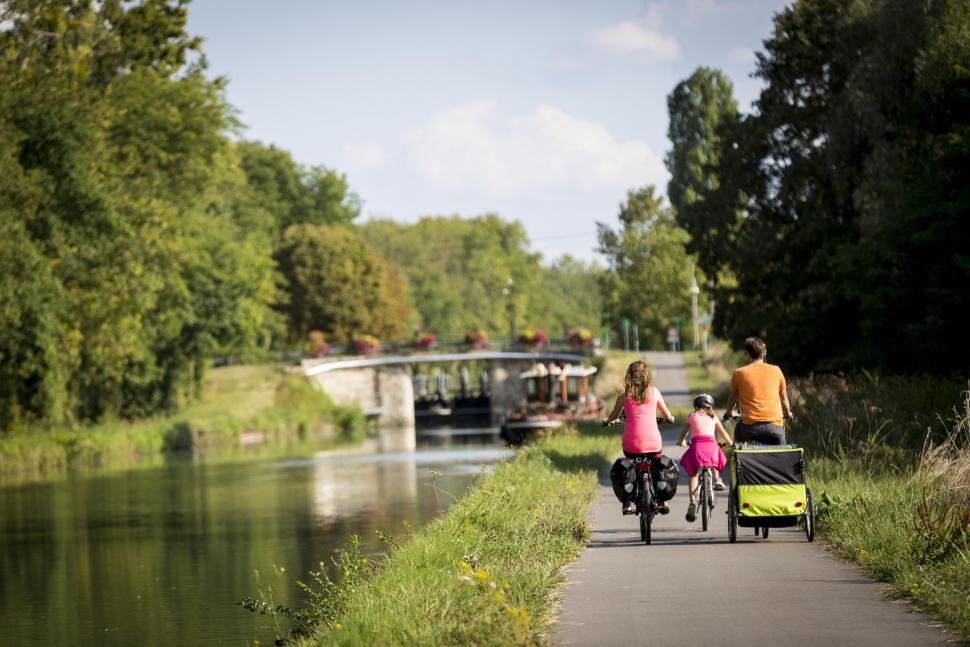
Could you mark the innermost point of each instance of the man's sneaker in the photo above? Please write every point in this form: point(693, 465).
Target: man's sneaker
point(691, 512)
point(628, 507)
point(662, 508)
point(719, 485)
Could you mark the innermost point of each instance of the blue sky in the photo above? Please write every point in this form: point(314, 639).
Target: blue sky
point(544, 112)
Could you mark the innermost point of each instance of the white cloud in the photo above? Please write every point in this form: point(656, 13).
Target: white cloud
point(639, 38)
point(742, 55)
point(364, 155)
point(472, 147)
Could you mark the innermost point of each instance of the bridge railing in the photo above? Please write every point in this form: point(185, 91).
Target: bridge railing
point(408, 348)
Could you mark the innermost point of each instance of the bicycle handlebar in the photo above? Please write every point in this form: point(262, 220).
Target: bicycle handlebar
point(688, 443)
point(737, 417)
point(621, 419)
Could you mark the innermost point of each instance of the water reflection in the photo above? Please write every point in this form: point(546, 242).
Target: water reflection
point(161, 556)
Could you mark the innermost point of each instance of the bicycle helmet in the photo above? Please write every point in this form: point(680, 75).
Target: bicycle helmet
point(703, 400)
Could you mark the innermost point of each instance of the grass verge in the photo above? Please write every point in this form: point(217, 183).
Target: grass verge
point(902, 515)
point(900, 530)
point(261, 401)
point(483, 573)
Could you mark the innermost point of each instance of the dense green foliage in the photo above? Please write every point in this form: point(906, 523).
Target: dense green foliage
point(137, 240)
point(292, 194)
point(843, 199)
point(458, 270)
point(649, 269)
point(122, 251)
point(337, 284)
point(699, 107)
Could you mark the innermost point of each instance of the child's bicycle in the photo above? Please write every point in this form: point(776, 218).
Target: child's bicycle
point(705, 492)
point(768, 490)
point(644, 494)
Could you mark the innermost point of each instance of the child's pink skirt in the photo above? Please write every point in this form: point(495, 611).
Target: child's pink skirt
point(703, 452)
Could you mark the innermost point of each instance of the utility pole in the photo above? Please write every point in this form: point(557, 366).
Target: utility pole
point(694, 291)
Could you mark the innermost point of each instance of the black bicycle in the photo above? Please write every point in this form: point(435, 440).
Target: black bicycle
point(705, 491)
point(644, 492)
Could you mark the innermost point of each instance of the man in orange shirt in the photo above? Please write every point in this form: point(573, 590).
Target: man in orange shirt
point(760, 391)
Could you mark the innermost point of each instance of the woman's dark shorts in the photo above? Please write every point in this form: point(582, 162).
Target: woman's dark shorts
point(763, 433)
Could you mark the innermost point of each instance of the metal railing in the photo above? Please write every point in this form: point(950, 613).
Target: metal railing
point(347, 349)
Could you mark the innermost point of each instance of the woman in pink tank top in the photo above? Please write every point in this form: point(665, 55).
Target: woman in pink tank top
point(640, 400)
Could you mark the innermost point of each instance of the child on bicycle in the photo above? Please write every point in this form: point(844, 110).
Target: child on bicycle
point(639, 400)
point(703, 427)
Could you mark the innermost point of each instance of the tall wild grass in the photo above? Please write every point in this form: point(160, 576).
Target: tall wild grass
point(895, 492)
point(882, 421)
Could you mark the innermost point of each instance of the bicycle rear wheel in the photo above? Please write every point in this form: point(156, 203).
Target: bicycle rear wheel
point(704, 498)
point(732, 518)
point(646, 514)
point(809, 515)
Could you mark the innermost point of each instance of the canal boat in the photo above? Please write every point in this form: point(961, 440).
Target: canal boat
point(554, 394)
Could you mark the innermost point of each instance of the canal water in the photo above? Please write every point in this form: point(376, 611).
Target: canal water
point(161, 556)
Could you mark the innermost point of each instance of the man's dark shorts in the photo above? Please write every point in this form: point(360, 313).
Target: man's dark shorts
point(763, 433)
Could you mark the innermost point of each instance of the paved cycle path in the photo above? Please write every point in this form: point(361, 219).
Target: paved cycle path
point(691, 587)
point(670, 376)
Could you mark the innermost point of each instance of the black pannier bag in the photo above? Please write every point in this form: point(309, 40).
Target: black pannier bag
point(665, 473)
point(623, 477)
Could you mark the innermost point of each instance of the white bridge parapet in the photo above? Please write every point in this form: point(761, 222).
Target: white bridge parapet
point(384, 384)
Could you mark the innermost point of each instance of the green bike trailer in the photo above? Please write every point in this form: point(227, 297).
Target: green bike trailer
point(768, 490)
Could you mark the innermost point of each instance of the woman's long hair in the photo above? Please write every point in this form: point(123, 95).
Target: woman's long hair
point(639, 379)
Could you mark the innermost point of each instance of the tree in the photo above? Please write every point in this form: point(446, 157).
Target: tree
point(701, 108)
point(338, 284)
point(853, 185)
point(293, 194)
point(124, 198)
point(567, 295)
point(648, 269)
point(456, 270)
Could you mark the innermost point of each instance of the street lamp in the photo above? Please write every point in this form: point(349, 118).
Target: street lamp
point(507, 291)
point(694, 291)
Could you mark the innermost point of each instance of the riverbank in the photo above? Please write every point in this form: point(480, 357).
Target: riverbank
point(484, 572)
point(243, 411)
